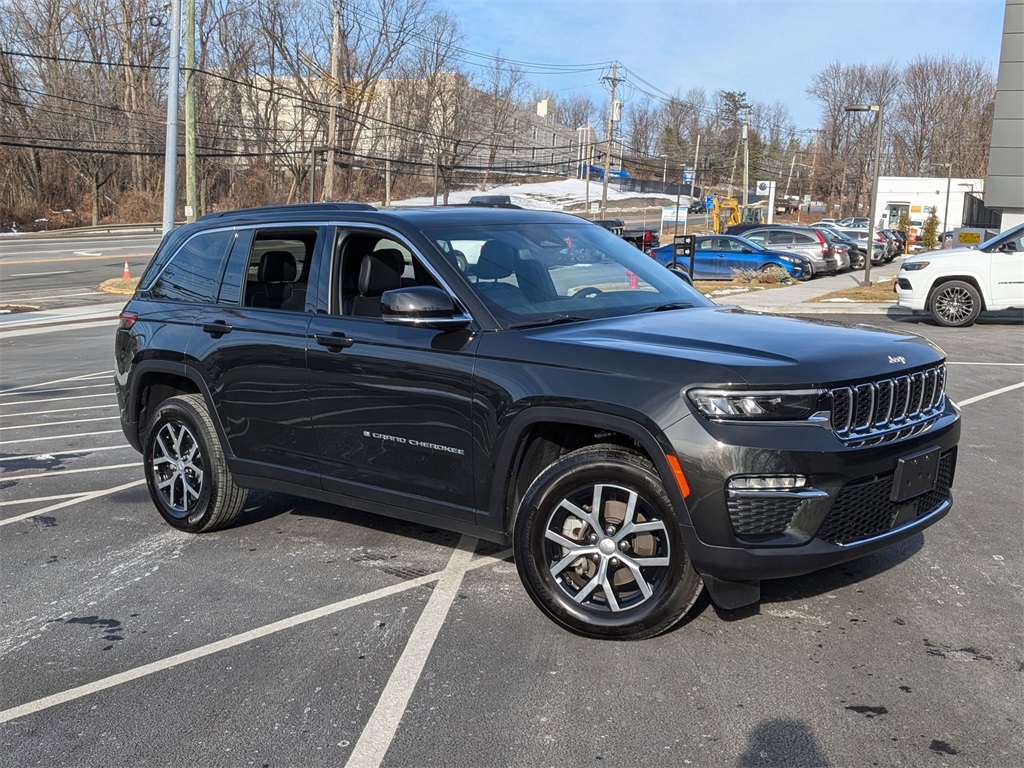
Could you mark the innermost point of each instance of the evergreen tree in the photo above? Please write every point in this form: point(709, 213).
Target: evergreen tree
point(930, 234)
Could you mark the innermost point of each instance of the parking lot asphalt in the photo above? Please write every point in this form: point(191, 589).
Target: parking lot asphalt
point(310, 634)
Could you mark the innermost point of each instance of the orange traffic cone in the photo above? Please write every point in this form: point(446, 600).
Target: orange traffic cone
point(127, 272)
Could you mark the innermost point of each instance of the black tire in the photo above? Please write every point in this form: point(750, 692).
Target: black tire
point(603, 598)
point(461, 262)
point(188, 478)
point(955, 304)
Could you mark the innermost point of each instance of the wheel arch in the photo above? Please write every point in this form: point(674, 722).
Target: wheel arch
point(969, 279)
point(154, 381)
point(540, 434)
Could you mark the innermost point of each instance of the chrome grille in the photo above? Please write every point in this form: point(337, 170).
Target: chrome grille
point(888, 409)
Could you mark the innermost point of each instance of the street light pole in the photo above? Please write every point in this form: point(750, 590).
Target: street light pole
point(171, 138)
point(877, 109)
point(945, 215)
point(664, 171)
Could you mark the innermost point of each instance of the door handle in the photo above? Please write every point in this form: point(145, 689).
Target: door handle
point(217, 328)
point(335, 341)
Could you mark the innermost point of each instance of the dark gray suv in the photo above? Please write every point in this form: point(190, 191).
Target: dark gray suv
point(631, 440)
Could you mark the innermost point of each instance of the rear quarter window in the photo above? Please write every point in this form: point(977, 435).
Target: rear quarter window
point(193, 273)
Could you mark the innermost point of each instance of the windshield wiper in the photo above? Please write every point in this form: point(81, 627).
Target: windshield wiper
point(665, 307)
point(559, 320)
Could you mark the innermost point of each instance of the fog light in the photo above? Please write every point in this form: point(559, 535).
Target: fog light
point(767, 482)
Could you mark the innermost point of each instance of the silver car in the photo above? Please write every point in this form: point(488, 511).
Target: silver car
point(802, 240)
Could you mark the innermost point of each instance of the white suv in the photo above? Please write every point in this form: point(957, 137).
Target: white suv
point(956, 285)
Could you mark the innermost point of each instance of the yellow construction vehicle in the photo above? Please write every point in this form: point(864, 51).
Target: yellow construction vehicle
point(727, 212)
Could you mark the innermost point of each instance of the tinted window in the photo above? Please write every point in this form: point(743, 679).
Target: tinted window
point(193, 273)
point(780, 238)
point(800, 237)
point(277, 270)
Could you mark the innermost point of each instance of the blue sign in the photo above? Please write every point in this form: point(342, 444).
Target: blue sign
point(687, 175)
point(709, 202)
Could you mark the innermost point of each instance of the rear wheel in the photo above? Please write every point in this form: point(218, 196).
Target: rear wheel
point(186, 472)
point(955, 304)
point(597, 546)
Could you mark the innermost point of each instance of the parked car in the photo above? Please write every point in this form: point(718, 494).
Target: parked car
point(956, 285)
point(879, 246)
point(803, 240)
point(615, 226)
point(697, 206)
point(632, 443)
point(838, 239)
point(716, 257)
point(854, 222)
point(642, 237)
point(498, 201)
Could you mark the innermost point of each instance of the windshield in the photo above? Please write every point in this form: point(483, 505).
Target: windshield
point(1014, 238)
point(535, 273)
point(750, 244)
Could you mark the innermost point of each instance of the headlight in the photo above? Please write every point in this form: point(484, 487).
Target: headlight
point(789, 259)
point(913, 266)
point(791, 405)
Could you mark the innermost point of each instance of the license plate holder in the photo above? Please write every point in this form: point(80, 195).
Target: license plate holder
point(915, 474)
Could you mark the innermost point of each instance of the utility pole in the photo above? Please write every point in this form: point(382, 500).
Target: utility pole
point(387, 154)
point(790, 179)
point(171, 139)
point(696, 159)
point(613, 80)
point(746, 164)
point(191, 173)
point(332, 111)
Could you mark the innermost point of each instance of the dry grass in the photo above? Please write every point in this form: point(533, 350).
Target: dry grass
point(119, 286)
point(880, 292)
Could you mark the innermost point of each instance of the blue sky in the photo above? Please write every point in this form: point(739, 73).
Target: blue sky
point(768, 48)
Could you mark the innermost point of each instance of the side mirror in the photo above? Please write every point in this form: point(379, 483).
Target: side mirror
point(682, 274)
point(423, 306)
point(747, 249)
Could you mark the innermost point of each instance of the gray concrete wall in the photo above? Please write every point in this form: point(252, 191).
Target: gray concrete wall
point(1004, 189)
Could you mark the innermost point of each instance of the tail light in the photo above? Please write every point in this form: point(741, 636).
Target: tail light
point(127, 320)
point(647, 237)
point(822, 242)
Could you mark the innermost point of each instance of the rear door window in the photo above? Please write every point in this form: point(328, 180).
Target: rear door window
point(193, 272)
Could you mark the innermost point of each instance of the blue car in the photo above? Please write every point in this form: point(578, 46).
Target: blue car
point(716, 256)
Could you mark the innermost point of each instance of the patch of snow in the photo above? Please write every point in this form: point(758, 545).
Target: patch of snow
point(839, 300)
point(727, 291)
point(545, 195)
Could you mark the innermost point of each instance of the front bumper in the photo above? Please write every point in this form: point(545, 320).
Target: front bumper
point(844, 512)
point(909, 297)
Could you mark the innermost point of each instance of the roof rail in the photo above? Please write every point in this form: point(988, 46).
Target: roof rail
point(292, 208)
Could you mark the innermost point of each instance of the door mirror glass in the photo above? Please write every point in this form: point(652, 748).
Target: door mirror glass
point(422, 305)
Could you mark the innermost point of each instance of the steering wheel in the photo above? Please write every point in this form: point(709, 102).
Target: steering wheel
point(587, 293)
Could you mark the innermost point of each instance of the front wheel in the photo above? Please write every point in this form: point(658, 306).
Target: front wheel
point(955, 304)
point(598, 548)
point(187, 475)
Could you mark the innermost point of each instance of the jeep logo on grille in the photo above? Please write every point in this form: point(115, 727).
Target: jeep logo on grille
point(899, 359)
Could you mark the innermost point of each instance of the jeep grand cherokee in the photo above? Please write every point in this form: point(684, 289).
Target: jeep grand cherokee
point(632, 440)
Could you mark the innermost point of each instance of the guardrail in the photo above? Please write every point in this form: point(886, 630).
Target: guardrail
point(102, 229)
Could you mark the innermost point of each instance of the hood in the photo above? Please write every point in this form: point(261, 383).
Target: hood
point(944, 254)
point(753, 348)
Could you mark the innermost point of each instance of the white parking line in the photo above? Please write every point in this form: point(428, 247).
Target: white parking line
point(54, 473)
point(36, 499)
point(63, 437)
point(54, 400)
point(81, 498)
point(83, 377)
point(73, 409)
point(59, 423)
point(987, 395)
point(376, 738)
point(230, 642)
point(55, 454)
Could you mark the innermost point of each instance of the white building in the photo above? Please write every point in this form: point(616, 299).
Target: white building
point(919, 196)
